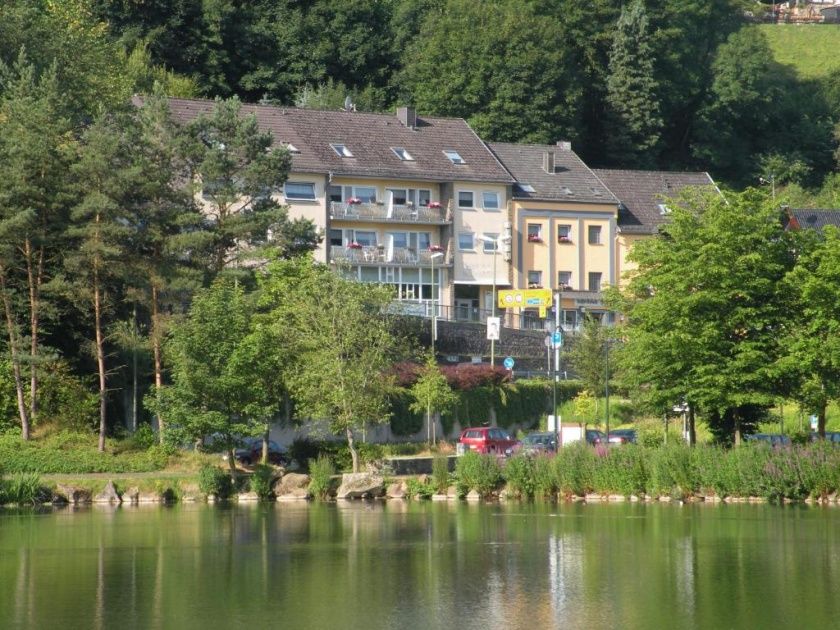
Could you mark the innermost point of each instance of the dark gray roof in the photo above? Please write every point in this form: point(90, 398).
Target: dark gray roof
point(816, 219)
point(572, 180)
point(641, 194)
point(370, 138)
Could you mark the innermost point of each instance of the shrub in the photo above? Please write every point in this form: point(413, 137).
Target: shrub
point(573, 467)
point(440, 473)
point(23, 489)
point(262, 482)
point(519, 474)
point(302, 450)
point(213, 480)
point(416, 489)
point(672, 471)
point(545, 476)
point(621, 471)
point(320, 474)
point(477, 472)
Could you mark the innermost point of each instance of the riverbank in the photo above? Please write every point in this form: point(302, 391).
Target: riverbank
point(752, 473)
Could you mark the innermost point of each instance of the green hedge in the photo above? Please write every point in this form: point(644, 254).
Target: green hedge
point(404, 421)
point(74, 453)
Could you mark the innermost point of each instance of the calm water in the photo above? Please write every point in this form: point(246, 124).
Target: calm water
point(421, 565)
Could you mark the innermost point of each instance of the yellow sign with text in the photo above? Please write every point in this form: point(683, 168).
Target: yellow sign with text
point(526, 298)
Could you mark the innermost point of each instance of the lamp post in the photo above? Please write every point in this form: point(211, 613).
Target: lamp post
point(434, 301)
point(495, 242)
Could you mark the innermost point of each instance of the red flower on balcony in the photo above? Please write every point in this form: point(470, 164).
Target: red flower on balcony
point(435, 204)
point(435, 248)
point(564, 239)
point(354, 201)
point(354, 245)
point(534, 238)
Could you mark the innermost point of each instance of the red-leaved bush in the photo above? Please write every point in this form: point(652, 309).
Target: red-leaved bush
point(467, 376)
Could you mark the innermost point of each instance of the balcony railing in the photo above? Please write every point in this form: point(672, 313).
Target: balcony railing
point(375, 254)
point(342, 211)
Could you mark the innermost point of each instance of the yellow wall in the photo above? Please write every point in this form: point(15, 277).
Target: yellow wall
point(625, 243)
point(476, 267)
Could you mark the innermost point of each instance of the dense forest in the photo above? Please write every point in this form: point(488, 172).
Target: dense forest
point(666, 84)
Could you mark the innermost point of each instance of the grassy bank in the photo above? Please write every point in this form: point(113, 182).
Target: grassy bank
point(810, 49)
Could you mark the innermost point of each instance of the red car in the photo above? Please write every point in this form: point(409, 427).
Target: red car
point(487, 440)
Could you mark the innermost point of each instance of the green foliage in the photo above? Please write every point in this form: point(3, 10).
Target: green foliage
point(574, 468)
point(586, 408)
point(262, 482)
point(621, 471)
point(416, 489)
point(66, 400)
point(404, 421)
point(320, 477)
point(70, 453)
point(213, 480)
point(440, 473)
point(519, 475)
point(672, 471)
point(431, 392)
point(632, 101)
point(545, 477)
point(23, 489)
point(481, 473)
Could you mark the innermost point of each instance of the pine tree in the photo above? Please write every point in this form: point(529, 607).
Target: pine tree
point(633, 120)
point(102, 229)
point(35, 152)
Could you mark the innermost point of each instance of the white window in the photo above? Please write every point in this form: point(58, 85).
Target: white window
point(335, 193)
point(594, 281)
point(365, 194)
point(594, 234)
point(490, 246)
point(534, 279)
point(564, 233)
point(564, 279)
point(490, 200)
point(466, 199)
point(304, 191)
point(401, 153)
point(400, 196)
point(466, 241)
point(454, 157)
point(535, 233)
point(342, 150)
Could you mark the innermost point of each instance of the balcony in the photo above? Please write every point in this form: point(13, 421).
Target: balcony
point(383, 213)
point(379, 255)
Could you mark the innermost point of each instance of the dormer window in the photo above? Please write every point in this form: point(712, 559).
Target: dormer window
point(454, 157)
point(342, 150)
point(526, 188)
point(292, 148)
point(663, 209)
point(566, 190)
point(401, 153)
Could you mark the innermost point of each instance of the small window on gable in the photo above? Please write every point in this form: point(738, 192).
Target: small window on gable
point(454, 157)
point(342, 150)
point(401, 153)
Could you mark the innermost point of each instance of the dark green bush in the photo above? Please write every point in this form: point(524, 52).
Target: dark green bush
point(574, 467)
point(320, 477)
point(481, 473)
point(440, 473)
point(404, 422)
point(302, 450)
point(545, 477)
point(23, 489)
point(519, 475)
point(213, 480)
point(416, 489)
point(621, 471)
point(262, 482)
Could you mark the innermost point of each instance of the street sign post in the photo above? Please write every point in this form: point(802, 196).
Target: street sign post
point(508, 363)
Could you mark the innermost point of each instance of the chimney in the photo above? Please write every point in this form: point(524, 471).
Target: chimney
point(407, 116)
point(548, 162)
point(564, 145)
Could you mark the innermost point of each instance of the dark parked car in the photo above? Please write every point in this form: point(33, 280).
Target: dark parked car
point(776, 440)
point(251, 452)
point(830, 436)
point(539, 443)
point(487, 440)
point(594, 436)
point(623, 436)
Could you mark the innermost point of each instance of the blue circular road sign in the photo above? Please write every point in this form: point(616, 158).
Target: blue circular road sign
point(509, 363)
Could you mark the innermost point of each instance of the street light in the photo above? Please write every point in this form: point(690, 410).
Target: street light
point(495, 242)
point(434, 302)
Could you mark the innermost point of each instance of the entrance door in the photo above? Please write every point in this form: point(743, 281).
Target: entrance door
point(463, 309)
